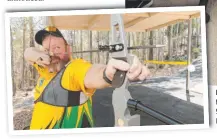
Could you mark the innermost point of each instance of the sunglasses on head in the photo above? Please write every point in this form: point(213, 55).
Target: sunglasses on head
point(51, 29)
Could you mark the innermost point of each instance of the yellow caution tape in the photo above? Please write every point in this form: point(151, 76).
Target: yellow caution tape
point(167, 62)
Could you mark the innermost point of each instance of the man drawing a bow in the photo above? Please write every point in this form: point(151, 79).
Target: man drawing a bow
point(65, 85)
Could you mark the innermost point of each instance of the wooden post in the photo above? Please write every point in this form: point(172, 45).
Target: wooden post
point(189, 55)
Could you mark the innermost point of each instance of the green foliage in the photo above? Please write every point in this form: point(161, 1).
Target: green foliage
point(195, 23)
point(178, 58)
point(195, 50)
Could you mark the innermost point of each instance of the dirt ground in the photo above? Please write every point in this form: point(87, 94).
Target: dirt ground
point(23, 106)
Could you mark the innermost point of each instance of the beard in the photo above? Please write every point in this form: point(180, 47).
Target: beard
point(58, 63)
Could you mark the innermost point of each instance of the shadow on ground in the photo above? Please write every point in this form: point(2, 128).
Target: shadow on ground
point(186, 112)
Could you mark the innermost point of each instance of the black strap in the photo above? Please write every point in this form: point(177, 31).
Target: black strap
point(106, 78)
point(60, 96)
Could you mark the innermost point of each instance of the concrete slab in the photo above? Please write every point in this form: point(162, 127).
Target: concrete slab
point(179, 109)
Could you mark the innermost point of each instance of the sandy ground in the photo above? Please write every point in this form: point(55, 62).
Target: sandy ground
point(23, 105)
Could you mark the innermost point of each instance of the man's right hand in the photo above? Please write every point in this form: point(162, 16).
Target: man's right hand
point(35, 55)
point(43, 60)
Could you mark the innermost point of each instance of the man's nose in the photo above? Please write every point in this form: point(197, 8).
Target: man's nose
point(55, 50)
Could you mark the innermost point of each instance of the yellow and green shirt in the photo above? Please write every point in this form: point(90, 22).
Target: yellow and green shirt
point(71, 79)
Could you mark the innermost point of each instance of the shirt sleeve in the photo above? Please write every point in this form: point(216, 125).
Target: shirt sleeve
point(41, 70)
point(74, 75)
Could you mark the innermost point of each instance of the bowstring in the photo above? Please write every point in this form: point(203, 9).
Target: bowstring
point(49, 53)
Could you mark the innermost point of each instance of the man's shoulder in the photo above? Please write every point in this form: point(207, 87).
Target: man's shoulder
point(77, 67)
point(76, 62)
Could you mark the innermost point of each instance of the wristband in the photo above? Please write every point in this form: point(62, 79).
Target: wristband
point(106, 78)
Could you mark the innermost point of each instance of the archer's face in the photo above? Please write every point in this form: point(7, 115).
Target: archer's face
point(57, 47)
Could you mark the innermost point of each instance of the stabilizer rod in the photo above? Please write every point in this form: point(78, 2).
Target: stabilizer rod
point(137, 105)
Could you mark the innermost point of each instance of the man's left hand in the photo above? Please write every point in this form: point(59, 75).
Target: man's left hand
point(137, 71)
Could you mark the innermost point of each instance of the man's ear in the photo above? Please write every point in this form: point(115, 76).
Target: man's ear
point(69, 51)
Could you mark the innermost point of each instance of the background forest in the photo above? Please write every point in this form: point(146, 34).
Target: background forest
point(174, 38)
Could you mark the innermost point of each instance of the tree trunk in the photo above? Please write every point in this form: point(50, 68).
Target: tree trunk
point(198, 32)
point(98, 45)
point(107, 43)
point(24, 42)
point(74, 44)
point(161, 49)
point(71, 43)
point(145, 43)
point(133, 37)
point(32, 44)
point(90, 44)
point(151, 52)
point(74, 38)
point(12, 65)
point(81, 43)
point(142, 43)
point(128, 39)
point(170, 43)
point(177, 41)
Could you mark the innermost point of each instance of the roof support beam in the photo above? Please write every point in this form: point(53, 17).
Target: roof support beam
point(133, 22)
point(166, 24)
point(93, 21)
point(186, 17)
point(195, 15)
point(137, 14)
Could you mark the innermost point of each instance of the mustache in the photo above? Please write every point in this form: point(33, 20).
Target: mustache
point(55, 59)
point(56, 65)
